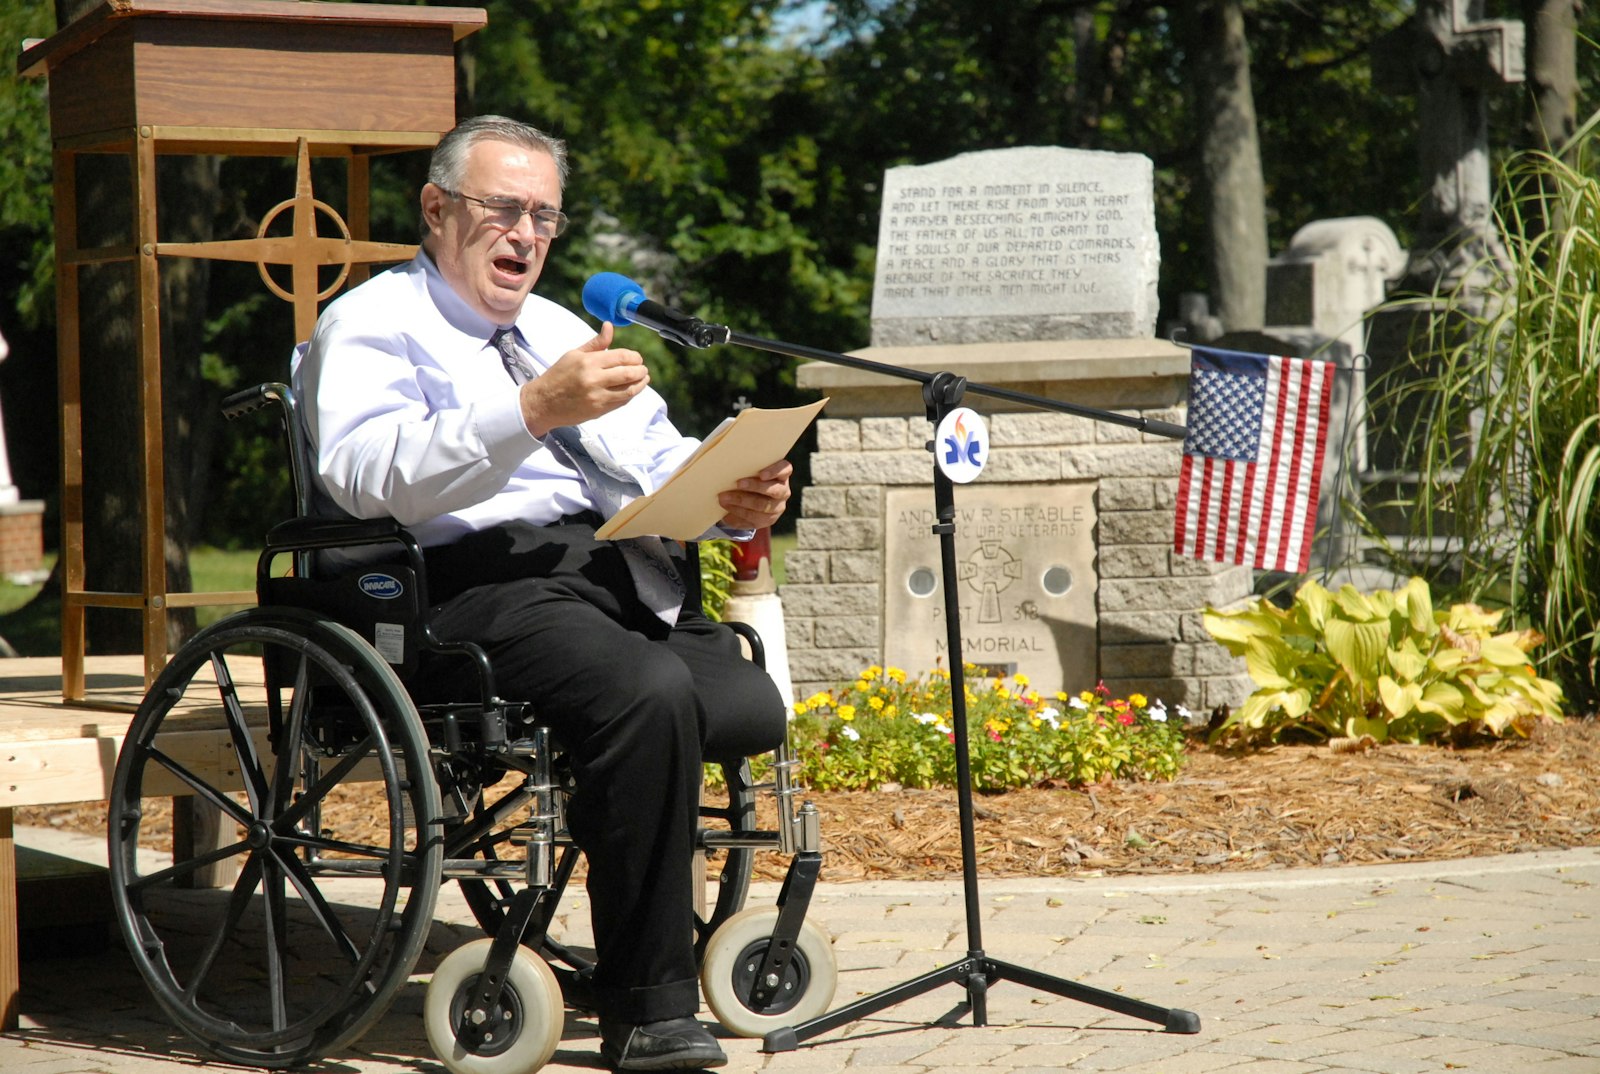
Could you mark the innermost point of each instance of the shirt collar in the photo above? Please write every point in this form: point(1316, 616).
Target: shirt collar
point(450, 305)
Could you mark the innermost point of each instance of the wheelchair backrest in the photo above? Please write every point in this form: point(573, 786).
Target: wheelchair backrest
point(364, 575)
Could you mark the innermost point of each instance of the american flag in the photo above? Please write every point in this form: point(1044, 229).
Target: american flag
point(1252, 461)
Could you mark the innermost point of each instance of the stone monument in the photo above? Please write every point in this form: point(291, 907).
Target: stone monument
point(1032, 269)
point(1451, 58)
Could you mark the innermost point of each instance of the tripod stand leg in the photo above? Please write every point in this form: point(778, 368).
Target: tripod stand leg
point(786, 1040)
point(1171, 1019)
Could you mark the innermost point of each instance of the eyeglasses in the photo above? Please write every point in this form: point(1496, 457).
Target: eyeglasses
point(507, 213)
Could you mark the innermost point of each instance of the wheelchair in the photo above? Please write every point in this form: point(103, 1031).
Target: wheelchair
point(357, 803)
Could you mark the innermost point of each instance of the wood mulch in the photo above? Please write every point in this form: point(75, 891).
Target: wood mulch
point(1282, 807)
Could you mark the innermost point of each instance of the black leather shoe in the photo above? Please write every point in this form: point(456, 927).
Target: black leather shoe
point(676, 1044)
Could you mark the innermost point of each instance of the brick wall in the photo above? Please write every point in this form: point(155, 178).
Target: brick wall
point(21, 537)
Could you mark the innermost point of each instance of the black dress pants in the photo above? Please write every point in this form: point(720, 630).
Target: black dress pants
point(636, 705)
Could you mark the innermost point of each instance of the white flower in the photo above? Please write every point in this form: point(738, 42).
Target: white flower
point(851, 733)
point(1158, 711)
point(925, 718)
point(1185, 714)
point(941, 728)
point(1050, 716)
point(1078, 703)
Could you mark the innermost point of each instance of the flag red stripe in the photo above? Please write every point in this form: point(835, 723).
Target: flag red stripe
point(1267, 550)
point(1180, 532)
point(1319, 445)
point(1296, 371)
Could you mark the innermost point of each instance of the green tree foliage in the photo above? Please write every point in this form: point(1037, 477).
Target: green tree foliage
point(918, 81)
point(25, 201)
point(694, 170)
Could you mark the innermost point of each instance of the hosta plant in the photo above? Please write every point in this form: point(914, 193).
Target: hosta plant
point(886, 727)
point(1385, 665)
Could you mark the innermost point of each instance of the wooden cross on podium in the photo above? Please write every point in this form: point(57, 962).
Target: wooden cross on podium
point(304, 250)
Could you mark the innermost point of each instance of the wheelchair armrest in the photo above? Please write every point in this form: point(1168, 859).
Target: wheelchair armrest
point(252, 399)
point(308, 532)
point(758, 650)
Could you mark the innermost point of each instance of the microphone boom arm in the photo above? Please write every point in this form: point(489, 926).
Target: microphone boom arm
point(796, 350)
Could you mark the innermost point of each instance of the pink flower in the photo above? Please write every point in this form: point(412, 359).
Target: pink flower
point(995, 735)
point(1125, 718)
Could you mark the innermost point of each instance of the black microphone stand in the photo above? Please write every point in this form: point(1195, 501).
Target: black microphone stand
point(942, 392)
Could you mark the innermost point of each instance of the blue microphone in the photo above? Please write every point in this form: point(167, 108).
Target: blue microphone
point(611, 296)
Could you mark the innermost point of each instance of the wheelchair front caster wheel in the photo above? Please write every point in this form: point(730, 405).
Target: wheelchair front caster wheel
point(733, 957)
point(522, 1030)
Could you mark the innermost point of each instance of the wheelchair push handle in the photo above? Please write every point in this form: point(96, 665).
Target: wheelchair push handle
point(250, 400)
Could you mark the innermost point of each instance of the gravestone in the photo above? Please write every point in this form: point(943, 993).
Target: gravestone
point(1319, 291)
point(1033, 269)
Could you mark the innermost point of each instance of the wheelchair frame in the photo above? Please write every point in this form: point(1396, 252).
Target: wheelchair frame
point(336, 709)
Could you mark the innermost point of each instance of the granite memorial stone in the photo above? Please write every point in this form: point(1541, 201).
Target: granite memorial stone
point(1014, 244)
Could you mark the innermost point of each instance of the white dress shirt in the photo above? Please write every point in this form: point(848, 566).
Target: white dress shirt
point(411, 413)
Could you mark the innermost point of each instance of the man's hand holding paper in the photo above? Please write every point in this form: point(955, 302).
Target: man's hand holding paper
point(756, 502)
point(715, 484)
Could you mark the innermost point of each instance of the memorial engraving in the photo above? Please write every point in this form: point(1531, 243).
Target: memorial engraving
point(1025, 565)
point(1026, 243)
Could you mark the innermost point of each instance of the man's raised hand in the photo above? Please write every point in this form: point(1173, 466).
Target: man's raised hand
point(584, 383)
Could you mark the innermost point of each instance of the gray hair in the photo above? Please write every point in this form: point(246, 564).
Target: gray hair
point(448, 164)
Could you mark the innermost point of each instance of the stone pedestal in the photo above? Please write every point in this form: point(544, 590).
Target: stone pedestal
point(1065, 541)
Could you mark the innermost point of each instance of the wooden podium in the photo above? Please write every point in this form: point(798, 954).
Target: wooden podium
point(232, 78)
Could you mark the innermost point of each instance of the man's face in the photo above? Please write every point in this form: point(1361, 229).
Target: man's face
point(492, 266)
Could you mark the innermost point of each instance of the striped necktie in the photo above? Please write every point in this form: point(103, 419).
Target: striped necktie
point(655, 578)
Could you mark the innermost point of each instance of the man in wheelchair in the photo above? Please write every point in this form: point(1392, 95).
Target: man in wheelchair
point(501, 430)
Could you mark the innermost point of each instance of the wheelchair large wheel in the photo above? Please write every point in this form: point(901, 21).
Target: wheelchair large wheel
point(333, 838)
point(732, 958)
point(521, 1033)
point(732, 810)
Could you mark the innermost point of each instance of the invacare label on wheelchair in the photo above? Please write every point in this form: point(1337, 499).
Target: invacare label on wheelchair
point(390, 641)
point(382, 586)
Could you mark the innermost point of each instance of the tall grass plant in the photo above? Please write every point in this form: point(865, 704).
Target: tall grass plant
point(1521, 505)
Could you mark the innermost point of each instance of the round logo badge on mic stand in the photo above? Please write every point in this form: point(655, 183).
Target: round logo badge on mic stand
point(961, 445)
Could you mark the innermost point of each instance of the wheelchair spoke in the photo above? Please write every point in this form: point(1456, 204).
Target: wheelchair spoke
point(336, 846)
point(201, 788)
point(285, 822)
point(319, 907)
point(275, 941)
point(187, 866)
point(238, 900)
point(288, 757)
point(244, 745)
